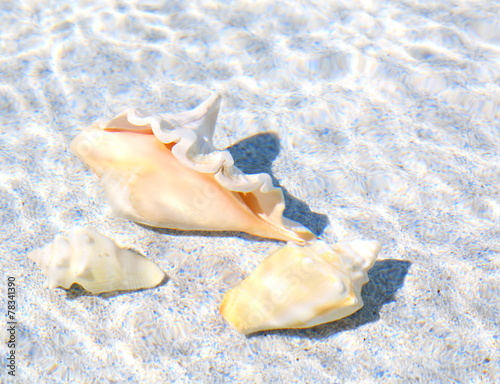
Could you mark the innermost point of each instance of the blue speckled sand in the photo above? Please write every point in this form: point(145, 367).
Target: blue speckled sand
point(379, 120)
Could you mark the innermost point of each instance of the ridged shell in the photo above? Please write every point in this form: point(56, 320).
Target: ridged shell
point(95, 262)
point(300, 287)
point(164, 171)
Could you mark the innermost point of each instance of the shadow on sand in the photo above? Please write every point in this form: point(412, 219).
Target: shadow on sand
point(386, 278)
point(255, 154)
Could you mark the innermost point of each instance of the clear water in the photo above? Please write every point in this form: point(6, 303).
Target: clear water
point(379, 120)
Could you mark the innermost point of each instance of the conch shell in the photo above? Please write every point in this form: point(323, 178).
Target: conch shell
point(163, 171)
point(95, 262)
point(300, 287)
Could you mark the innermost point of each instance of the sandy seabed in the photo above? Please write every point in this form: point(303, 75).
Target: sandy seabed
point(378, 119)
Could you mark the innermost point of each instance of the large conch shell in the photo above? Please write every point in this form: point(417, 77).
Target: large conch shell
point(300, 287)
point(96, 263)
point(163, 171)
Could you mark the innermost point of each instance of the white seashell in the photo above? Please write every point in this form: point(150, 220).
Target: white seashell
point(95, 262)
point(164, 171)
point(300, 287)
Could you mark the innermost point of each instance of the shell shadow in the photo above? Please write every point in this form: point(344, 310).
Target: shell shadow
point(255, 154)
point(386, 278)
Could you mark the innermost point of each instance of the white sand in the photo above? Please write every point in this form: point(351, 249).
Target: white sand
point(379, 120)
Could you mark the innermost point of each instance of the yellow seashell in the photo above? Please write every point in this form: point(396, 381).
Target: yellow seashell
point(300, 287)
point(95, 262)
point(164, 171)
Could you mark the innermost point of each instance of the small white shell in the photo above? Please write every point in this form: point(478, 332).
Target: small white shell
point(95, 262)
point(300, 287)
